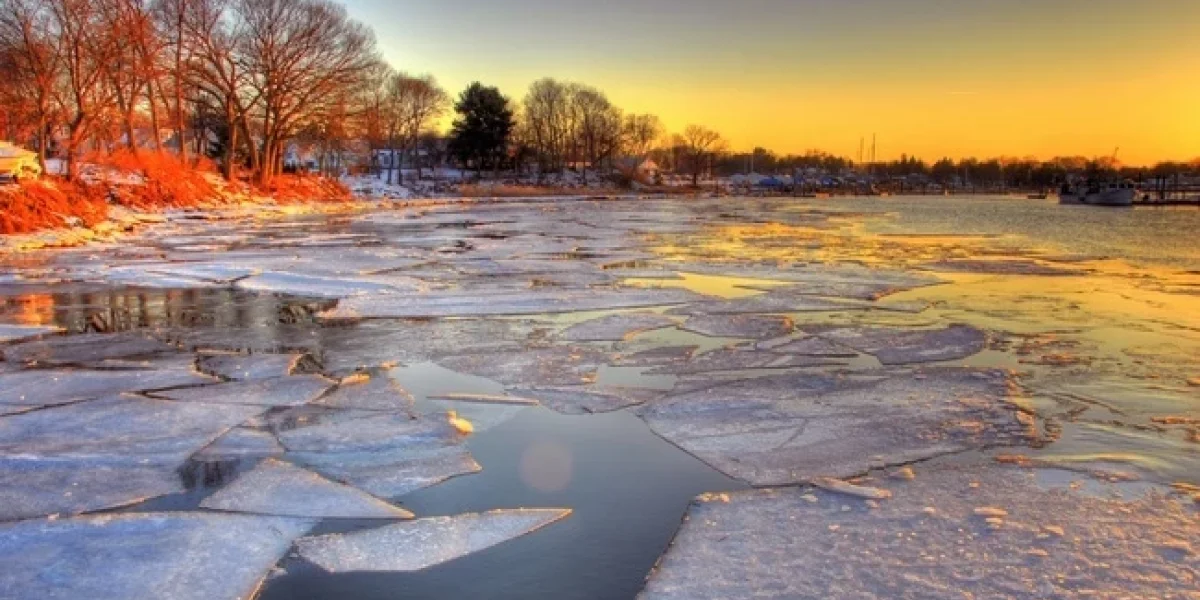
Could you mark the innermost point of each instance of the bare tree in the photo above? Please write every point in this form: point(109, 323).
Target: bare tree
point(301, 57)
point(84, 43)
point(700, 146)
point(639, 133)
point(32, 62)
point(415, 103)
point(547, 124)
point(597, 131)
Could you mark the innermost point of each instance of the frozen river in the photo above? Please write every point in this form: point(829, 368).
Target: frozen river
point(872, 398)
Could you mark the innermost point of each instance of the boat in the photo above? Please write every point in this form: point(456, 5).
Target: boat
point(1111, 193)
point(17, 163)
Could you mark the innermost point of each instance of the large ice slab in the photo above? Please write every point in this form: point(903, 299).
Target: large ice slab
point(240, 443)
point(769, 303)
point(282, 391)
point(380, 393)
point(976, 531)
point(554, 366)
point(310, 286)
point(739, 326)
point(420, 544)
point(388, 455)
point(790, 428)
point(126, 426)
point(87, 348)
point(180, 556)
point(16, 333)
point(614, 328)
point(377, 306)
point(905, 346)
point(35, 486)
point(244, 367)
point(279, 488)
point(739, 359)
point(61, 386)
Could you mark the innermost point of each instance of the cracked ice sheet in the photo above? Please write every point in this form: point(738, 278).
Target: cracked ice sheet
point(16, 333)
point(557, 365)
point(283, 391)
point(787, 429)
point(380, 393)
point(119, 426)
point(423, 543)
point(32, 486)
point(738, 326)
point(182, 556)
point(906, 346)
point(371, 344)
point(63, 386)
point(769, 303)
point(504, 303)
point(614, 328)
point(740, 359)
point(244, 367)
point(308, 286)
point(282, 489)
point(88, 348)
point(387, 455)
point(238, 443)
point(927, 542)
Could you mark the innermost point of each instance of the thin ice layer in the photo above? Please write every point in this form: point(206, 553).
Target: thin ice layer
point(788, 429)
point(182, 556)
point(279, 488)
point(60, 386)
point(282, 391)
point(975, 531)
point(423, 543)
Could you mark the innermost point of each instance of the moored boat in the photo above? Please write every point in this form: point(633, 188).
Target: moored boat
point(1111, 193)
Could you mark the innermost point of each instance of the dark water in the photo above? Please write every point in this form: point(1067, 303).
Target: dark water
point(628, 489)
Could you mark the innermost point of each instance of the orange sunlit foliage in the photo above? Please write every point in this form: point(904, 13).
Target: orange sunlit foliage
point(296, 189)
point(35, 205)
point(167, 181)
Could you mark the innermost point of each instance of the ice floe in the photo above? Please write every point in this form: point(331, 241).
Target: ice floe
point(16, 333)
point(36, 486)
point(179, 555)
point(243, 367)
point(614, 328)
point(378, 306)
point(38, 387)
point(311, 286)
point(557, 365)
point(423, 543)
point(582, 400)
point(738, 326)
point(790, 428)
point(281, 391)
point(978, 530)
point(279, 488)
point(907, 346)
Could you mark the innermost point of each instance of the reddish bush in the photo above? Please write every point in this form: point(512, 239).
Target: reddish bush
point(36, 205)
point(165, 181)
point(298, 189)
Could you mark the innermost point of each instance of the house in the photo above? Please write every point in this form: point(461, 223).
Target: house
point(640, 169)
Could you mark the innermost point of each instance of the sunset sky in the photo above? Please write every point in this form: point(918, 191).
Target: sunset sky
point(930, 77)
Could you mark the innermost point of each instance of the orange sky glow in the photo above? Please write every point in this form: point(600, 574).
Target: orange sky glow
point(929, 78)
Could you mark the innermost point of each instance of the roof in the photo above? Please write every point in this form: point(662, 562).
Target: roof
point(8, 150)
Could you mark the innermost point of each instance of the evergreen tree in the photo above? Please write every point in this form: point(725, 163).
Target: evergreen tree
point(485, 122)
